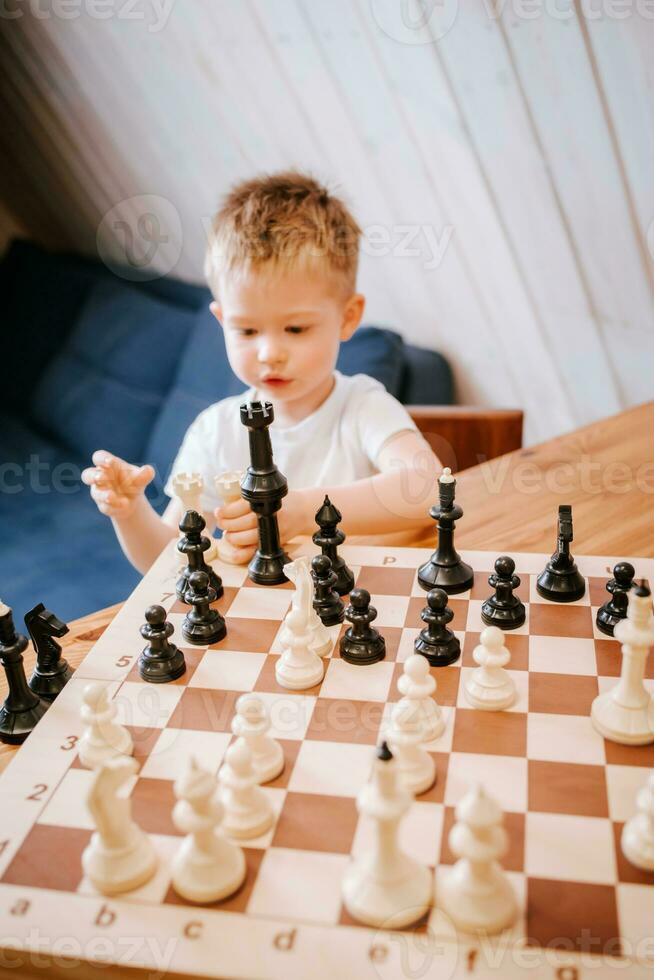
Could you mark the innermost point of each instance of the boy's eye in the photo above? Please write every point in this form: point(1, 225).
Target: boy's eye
point(294, 329)
point(245, 331)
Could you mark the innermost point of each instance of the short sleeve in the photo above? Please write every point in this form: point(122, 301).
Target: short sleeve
point(380, 416)
point(199, 453)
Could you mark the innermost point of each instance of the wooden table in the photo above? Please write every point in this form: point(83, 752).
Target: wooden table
point(605, 470)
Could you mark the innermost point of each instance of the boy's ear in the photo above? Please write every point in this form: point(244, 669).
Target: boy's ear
point(216, 310)
point(352, 315)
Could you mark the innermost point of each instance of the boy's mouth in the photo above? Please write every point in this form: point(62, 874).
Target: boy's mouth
point(276, 382)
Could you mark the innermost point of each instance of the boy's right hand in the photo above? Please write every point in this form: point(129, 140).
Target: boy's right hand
point(116, 486)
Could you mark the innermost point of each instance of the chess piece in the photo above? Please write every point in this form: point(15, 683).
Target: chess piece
point(328, 539)
point(119, 856)
point(361, 643)
point(561, 581)
point(103, 738)
point(326, 602)
point(160, 661)
point(299, 667)
point(248, 811)
point(51, 672)
point(22, 708)
point(264, 487)
point(194, 544)
point(475, 893)
point(385, 887)
point(202, 625)
point(637, 839)
point(207, 867)
point(418, 686)
point(228, 491)
point(445, 569)
point(251, 725)
point(320, 640)
point(503, 608)
point(610, 614)
point(417, 767)
point(489, 686)
point(625, 714)
point(436, 641)
point(189, 488)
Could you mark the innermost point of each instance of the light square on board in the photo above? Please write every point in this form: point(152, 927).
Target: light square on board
point(504, 776)
point(313, 822)
point(346, 720)
point(570, 848)
point(492, 732)
point(562, 655)
point(567, 787)
point(635, 917)
point(175, 746)
point(228, 670)
point(331, 768)
point(299, 884)
point(261, 603)
point(50, 857)
point(562, 694)
point(66, 807)
point(391, 611)
point(563, 738)
point(572, 915)
point(420, 833)
point(144, 705)
point(623, 783)
point(368, 683)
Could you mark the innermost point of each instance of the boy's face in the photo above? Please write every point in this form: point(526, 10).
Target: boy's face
point(282, 334)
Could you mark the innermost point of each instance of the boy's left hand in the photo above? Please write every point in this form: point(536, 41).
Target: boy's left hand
point(240, 522)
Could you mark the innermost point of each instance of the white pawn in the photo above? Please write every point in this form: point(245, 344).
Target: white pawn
point(418, 687)
point(299, 667)
point(638, 833)
point(119, 856)
point(489, 686)
point(207, 867)
point(475, 893)
point(228, 491)
point(625, 714)
point(417, 767)
point(103, 738)
point(251, 725)
point(385, 887)
point(248, 811)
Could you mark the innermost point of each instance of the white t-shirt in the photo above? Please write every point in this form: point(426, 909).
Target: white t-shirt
point(336, 444)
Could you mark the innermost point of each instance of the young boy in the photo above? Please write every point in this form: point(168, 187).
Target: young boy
point(282, 264)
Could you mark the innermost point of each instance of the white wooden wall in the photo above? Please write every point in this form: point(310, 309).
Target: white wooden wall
point(519, 140)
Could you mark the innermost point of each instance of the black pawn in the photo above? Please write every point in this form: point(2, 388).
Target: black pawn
point(326, 600)
point(328, 538)
point(361, 643)
point(161, 661)
point(51, 672)
point(503, 609)
point(436, 641)
point(561, 580)
point(22, 707)
point(202, 625)
point(193, 545)
point(610, 614)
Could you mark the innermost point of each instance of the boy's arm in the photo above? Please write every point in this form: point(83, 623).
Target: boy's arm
point(143, 534)
point(395, 499)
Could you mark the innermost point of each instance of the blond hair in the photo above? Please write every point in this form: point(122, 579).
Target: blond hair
point(279, 222)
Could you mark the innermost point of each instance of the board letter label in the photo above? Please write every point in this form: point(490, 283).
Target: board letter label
point(284, 940)
point(105, 916)
point(378, 953)
point(21, 907)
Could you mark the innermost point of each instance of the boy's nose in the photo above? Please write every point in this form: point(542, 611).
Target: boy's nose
point(271, 353)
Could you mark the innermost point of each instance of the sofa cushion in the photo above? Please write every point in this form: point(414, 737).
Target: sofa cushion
point(205, 376)
point(107, 384)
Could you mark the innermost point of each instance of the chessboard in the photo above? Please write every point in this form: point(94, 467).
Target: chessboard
point(565, 792)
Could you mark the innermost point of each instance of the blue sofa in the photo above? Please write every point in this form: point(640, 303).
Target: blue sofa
point(93, 359)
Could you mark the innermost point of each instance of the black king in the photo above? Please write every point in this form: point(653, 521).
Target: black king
point(264, 487)
point(445, 569)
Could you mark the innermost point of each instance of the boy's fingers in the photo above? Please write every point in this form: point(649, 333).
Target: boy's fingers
point(236, 509)
point(244, 539)
point(245, 523)
point(89, 476)
point(102, 458)
point(143, 476)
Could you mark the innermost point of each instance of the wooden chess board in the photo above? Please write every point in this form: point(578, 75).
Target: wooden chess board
point(565, 791)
